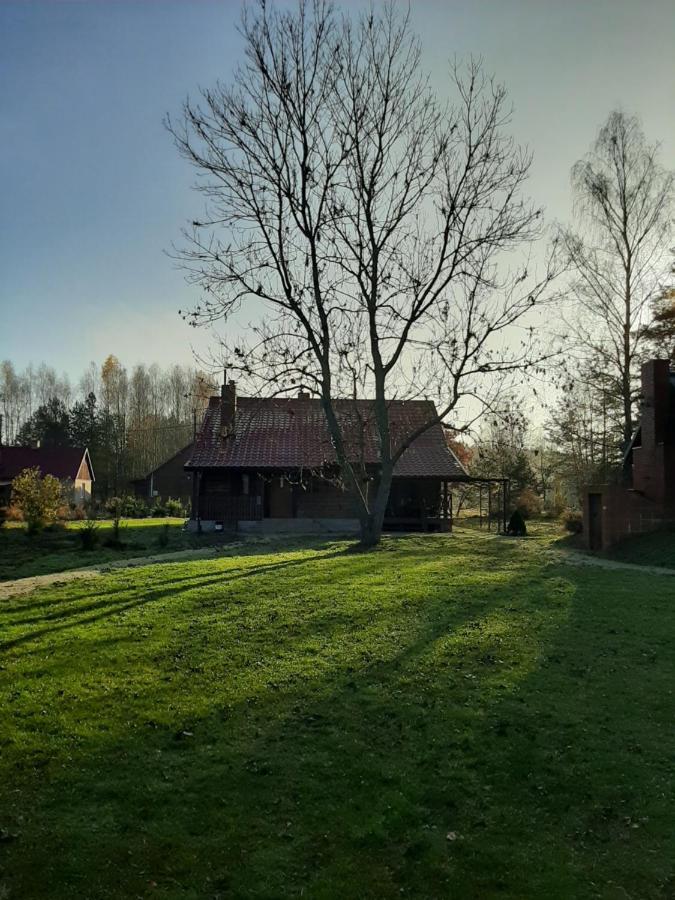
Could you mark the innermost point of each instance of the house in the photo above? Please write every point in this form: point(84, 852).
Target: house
point(167, 480)
point(269, 465)
point(645, 499)
point(71, 465)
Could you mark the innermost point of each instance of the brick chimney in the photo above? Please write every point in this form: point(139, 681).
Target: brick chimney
point(228, 407)
point(654, 460)
point(655, 403)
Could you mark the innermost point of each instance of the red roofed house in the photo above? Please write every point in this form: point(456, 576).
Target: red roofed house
point(71, 465)
point(269, 465)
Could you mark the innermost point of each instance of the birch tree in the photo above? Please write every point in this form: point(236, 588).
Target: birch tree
point(623, 201)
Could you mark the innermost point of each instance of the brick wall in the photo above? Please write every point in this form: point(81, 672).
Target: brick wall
point(649, 504)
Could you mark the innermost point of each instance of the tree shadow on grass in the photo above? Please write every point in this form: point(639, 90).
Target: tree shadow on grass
point(99, 569)
point(114, 604)
point(342, 777)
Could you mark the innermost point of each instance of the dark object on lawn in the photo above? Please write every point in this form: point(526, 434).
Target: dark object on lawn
point(89, 535)
point(163, 536)
point(517, 525)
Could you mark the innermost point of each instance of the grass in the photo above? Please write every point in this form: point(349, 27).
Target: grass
point(655, 549)
point(59, 549)
point(448, 716)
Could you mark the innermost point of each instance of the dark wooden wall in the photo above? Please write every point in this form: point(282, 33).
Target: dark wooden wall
point(168, 480)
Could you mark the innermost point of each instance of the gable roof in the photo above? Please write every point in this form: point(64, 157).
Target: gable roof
point(292, 433)
point(61, 462)
point(184, 451)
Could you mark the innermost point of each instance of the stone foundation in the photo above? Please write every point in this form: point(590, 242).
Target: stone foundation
point(283, 526)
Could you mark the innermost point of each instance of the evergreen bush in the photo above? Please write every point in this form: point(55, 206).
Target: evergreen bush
point(517, 525)
point(89, 535)
point(163, 536)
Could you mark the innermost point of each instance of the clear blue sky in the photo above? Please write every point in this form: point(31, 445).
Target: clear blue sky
point(93, 191)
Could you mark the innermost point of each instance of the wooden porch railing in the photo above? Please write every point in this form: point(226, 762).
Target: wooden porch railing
point(230, 509)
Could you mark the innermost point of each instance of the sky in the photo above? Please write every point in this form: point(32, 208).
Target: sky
point(93, 192)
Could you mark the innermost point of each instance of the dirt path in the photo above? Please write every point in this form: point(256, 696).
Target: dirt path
point(26, 585)
point(574, 558)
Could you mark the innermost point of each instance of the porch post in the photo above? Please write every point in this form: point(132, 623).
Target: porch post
point(198, 500)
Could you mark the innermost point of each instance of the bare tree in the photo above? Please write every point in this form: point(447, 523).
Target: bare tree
point(13, 401)
point(360, 223)
point(585, 427)
point(624, 203)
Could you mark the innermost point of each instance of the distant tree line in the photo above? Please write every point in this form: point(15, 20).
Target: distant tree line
point(131, 421)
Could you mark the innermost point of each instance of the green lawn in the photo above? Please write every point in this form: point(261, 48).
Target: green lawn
point(445, 717)
point(656, 549)
point(59, 549)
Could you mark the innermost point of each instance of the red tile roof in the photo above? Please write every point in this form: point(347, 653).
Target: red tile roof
point(292, 433)
point(61, 462)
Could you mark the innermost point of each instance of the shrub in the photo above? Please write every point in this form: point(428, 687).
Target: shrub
point(13, 513)
point(89, 536)
point(39, 498)
point(141, 508)
point(115, 541)
point(132, 507)
point(158, 511)
point(556, 504)
point(113, 506)
point(79, 514)
point(163, 536)
point(517, 525)
point(573, 521)
point(57, 527)
point(3, 515)
point(174, 507)
point(528, 503)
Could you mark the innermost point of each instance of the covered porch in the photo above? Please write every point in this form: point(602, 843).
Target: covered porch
point(228, 498)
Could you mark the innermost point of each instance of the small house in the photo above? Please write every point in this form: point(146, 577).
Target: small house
point(268, 464)
point(71, 465)
point(167, 480)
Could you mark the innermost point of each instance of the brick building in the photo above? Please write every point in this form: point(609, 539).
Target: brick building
point(645, 500)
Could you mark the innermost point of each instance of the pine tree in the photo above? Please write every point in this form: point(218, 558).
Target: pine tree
point(49, 426)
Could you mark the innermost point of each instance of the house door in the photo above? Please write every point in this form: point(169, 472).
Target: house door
point(280, 499)
point(595, 521)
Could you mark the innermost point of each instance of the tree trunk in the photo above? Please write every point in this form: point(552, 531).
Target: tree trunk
point(626, 386)
point(372, 522)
